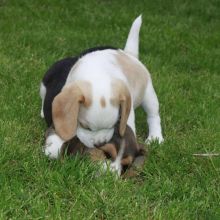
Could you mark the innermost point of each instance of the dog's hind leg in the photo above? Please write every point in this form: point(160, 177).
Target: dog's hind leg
point(151, 106)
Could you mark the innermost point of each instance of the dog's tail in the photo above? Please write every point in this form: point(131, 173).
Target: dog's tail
point(132, 44)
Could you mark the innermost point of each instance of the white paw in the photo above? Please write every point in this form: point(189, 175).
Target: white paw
point(105, 165)
point(152, 138)
point(42, 113)
point(53, 146)
point(116, 167)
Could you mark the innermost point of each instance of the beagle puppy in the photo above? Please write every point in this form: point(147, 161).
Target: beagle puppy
point(99, 89)
point(121, 151)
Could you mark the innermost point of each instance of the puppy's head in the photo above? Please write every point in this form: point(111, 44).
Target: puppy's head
point(79, 102)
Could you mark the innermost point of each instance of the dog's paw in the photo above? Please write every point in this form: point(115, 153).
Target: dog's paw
point(115, 167)
point(53, 146)
point(151, 138)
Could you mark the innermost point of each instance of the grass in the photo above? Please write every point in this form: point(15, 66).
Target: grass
point(179, 45)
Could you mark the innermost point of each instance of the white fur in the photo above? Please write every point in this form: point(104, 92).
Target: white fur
point(132, 44)
point(53, 146)
point(89, 138)
point(131, 121)
point(115, 166)
point(43, 91)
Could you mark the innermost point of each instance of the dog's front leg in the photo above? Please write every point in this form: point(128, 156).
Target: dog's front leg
point(131, 120)
point(151, 106)
point(53, 144)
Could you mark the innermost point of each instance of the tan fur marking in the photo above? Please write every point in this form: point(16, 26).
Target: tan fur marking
point(121, 96)
point(127, 161)
point(87, 92)
point(109, 149)
point(102, 102)
point(136, 74)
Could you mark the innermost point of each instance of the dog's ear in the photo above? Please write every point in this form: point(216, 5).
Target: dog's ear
point(65, 109)
point(125, 108)
point(122, 98)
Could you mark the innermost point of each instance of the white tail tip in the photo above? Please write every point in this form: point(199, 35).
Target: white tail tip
point(132, 44)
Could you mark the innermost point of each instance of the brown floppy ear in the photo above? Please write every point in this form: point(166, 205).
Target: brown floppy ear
point(65, 109)
point(123, 99)
point(125, 108)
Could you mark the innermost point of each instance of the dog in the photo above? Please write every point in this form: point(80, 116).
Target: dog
point(100, 88)
point(121, 151)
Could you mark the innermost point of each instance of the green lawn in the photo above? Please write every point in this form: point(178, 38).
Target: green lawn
point(180, 44)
